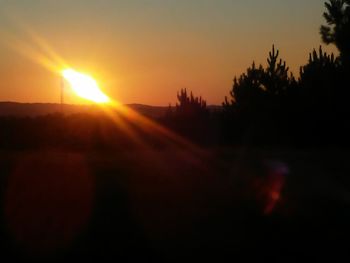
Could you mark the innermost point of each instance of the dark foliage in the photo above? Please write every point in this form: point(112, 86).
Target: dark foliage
point(260, 100)
point(270, 106)
point(260, 89)
point(320, 81)
point(191, 118)
point(337, 30)
point(190, 106)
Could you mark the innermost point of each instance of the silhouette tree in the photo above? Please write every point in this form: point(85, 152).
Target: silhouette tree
point(337, 30)
point(259, 89)
point(320, 96)
point(332, 78)
point(247, 92)
point(190, 117)
point(319, 76)
point(277, 78)
point(190, 106)
point(260, 99)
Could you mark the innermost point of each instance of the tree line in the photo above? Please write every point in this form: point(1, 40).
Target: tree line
point(268, 104)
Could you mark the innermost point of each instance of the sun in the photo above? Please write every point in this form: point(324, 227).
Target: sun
point(84, 86)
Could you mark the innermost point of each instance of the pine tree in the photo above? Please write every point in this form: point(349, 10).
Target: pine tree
point(190, 106)
point(247, 91)
point(277, 78)
point(319, 79)
point(337, 30)
point(259, 88)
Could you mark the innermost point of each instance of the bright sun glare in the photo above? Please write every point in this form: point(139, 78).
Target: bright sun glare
point(84, 86)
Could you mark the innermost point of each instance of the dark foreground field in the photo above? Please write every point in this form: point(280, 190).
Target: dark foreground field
point(222, 205)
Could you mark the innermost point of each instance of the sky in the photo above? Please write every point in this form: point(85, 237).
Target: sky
point(145, 51)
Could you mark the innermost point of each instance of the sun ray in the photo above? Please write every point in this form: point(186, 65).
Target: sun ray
point(31, 45)
point(121, 123)
point(39, 51)
point(84, 86)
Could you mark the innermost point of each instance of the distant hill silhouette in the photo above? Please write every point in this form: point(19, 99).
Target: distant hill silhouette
point(39, 109)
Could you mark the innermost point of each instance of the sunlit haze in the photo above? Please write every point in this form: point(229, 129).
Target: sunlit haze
point(146, 51)
point(84, 86)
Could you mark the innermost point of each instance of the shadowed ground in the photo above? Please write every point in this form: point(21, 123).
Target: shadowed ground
point(171, 206)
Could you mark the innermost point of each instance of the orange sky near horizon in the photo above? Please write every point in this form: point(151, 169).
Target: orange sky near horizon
point(146, 51)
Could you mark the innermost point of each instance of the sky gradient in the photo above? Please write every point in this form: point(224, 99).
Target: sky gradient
point(145, 51)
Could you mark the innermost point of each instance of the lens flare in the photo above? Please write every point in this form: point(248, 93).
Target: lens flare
point(84, 86)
